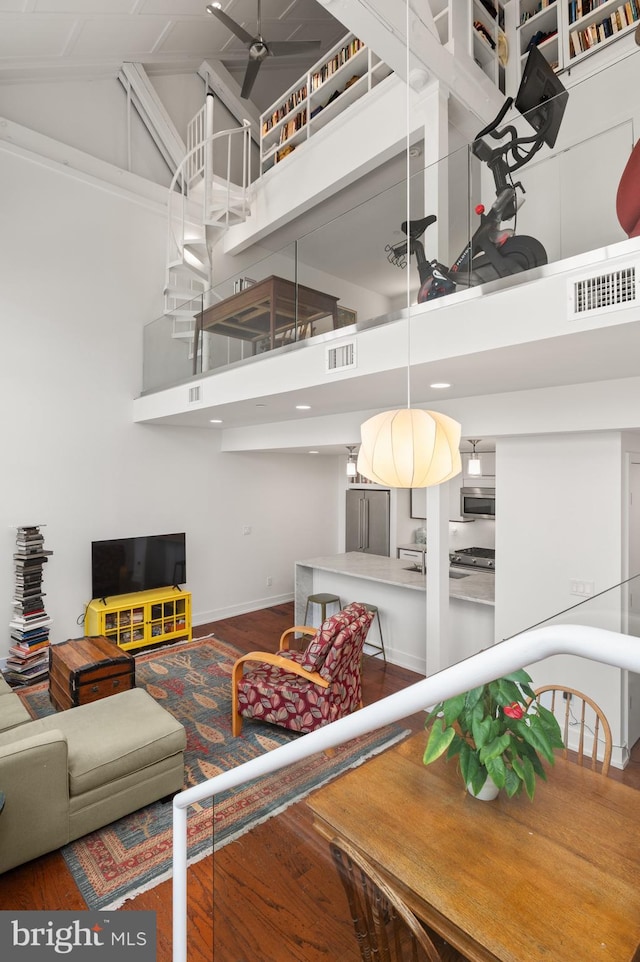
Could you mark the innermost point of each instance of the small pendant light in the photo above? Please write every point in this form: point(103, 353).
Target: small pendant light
point(474, 466)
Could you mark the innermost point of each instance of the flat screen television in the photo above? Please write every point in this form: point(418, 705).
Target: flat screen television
point(541, 97)
point(123, 565)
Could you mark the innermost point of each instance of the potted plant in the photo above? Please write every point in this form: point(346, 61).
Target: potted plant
point(499, 731)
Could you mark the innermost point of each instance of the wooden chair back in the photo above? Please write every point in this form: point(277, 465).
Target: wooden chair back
point(575, 711)
point(386, 929)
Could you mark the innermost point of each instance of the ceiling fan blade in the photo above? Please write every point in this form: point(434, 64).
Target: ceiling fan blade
point(290, 48)
point(250, 78)
point(231, 25)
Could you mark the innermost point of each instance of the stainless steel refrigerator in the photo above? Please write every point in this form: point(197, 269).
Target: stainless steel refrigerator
point(367, 522)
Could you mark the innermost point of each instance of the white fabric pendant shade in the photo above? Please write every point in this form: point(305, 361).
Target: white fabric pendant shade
point(409, 448)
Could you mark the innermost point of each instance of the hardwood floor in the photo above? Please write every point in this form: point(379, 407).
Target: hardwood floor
point(277, 898)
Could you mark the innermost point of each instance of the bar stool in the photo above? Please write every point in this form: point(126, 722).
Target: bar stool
point(378, 649)
point(324, 600)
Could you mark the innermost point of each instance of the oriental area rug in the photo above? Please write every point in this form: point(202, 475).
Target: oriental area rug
point(192, 680)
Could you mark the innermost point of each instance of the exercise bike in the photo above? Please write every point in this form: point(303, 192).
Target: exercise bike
point(494, 251)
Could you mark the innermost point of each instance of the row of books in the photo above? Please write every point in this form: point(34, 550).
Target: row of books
point(528, 14)
point(581, 8)
point(290, 128)
point(624, 16)
point(319, 77)
point(285, 108)
point(331, 66)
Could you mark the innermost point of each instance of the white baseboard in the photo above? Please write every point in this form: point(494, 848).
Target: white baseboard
point(204, 617)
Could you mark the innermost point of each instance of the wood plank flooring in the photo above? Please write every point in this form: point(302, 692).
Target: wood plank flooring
point(277, 898)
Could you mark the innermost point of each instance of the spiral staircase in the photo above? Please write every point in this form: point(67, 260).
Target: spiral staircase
point(204, 200)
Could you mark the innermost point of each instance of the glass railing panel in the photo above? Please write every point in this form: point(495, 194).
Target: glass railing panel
point(614, 608)
point(367, 258)
point(540, 209)
point(168, 346)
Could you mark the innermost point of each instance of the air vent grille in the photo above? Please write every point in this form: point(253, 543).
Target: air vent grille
point(604, 292)
point(341, 357)
point(195, 394)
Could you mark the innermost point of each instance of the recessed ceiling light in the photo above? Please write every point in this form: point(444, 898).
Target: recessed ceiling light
point(440, 384)
point(303, 407)
point(314, 452)
point(259, 404)
point(215, 421)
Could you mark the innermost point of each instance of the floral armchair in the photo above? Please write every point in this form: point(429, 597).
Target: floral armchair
point(303, 690)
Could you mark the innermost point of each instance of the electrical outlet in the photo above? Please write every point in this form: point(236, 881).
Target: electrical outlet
point(566, 695)
point(584, 589)
point(269, 581)
point(246, 529)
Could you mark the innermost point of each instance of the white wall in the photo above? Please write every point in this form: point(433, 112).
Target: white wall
point(82, 272)
point(558, 519)
point(90, 115)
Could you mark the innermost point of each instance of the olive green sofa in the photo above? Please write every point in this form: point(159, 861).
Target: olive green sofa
point(73, 772)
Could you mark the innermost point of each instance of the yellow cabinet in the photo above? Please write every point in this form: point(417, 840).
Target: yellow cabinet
point(142, 618)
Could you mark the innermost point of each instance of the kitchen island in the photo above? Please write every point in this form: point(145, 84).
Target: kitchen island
point(399, 591)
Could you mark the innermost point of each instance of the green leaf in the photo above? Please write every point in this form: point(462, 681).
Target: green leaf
point(498, 771)
point(551, 727)
point(520, 676)
point(439, 740)
point(506, 692)
point(473, 696)
point(533, 732)
point(452, 708)
point(481, 731)
point(512, 782)
point(528, 777)
point(495, 748)
point(469, 763)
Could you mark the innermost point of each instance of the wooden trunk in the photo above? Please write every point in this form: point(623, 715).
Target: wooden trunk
point(83, 670)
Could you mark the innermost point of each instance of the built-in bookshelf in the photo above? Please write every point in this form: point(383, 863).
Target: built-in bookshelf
point(538, 26)
point(567, 31)
point(488, 39)
point(28, 659)
point(593, 24)
point(344, 75)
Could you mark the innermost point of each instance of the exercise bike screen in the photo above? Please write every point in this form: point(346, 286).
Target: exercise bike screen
point(541, 97)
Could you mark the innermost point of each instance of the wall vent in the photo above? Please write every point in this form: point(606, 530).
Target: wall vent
point(604, 292)
point(195, 394)
point(341, 357)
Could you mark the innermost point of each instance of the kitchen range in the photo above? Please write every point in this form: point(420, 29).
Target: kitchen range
point(484, 558)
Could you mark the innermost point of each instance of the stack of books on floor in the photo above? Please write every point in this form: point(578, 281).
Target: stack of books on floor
point(28, 659)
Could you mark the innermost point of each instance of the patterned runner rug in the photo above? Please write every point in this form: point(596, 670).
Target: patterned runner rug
point(192, 681)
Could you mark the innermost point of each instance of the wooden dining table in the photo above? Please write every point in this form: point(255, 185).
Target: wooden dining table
point(553, 880)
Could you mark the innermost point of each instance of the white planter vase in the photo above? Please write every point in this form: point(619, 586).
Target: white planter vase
point(487, 793)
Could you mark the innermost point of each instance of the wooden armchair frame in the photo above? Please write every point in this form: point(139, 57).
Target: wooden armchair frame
point(272, 658)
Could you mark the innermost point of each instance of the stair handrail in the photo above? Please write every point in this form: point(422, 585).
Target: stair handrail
point(597, 644)
point(180, 183)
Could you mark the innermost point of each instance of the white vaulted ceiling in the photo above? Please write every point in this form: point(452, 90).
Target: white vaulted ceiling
point(54, 39)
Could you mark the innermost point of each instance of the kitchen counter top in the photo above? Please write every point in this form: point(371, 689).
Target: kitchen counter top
point(477, 586)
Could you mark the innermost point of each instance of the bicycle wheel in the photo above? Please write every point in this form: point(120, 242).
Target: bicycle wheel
point(524, 252)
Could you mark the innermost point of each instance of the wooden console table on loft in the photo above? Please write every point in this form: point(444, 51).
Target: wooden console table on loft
point(267, 309)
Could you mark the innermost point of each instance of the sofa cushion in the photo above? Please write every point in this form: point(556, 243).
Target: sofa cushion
point(110, 738)
point(12, 712)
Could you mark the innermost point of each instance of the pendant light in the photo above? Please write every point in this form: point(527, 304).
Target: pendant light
point(474, 466)
point(409, 448)
point(352, 469)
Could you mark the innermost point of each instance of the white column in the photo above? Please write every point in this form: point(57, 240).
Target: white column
point(437, 600)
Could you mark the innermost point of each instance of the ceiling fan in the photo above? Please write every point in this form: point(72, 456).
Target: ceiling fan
point(258, 48)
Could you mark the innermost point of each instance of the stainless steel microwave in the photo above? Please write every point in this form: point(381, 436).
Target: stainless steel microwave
point(478, 503)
